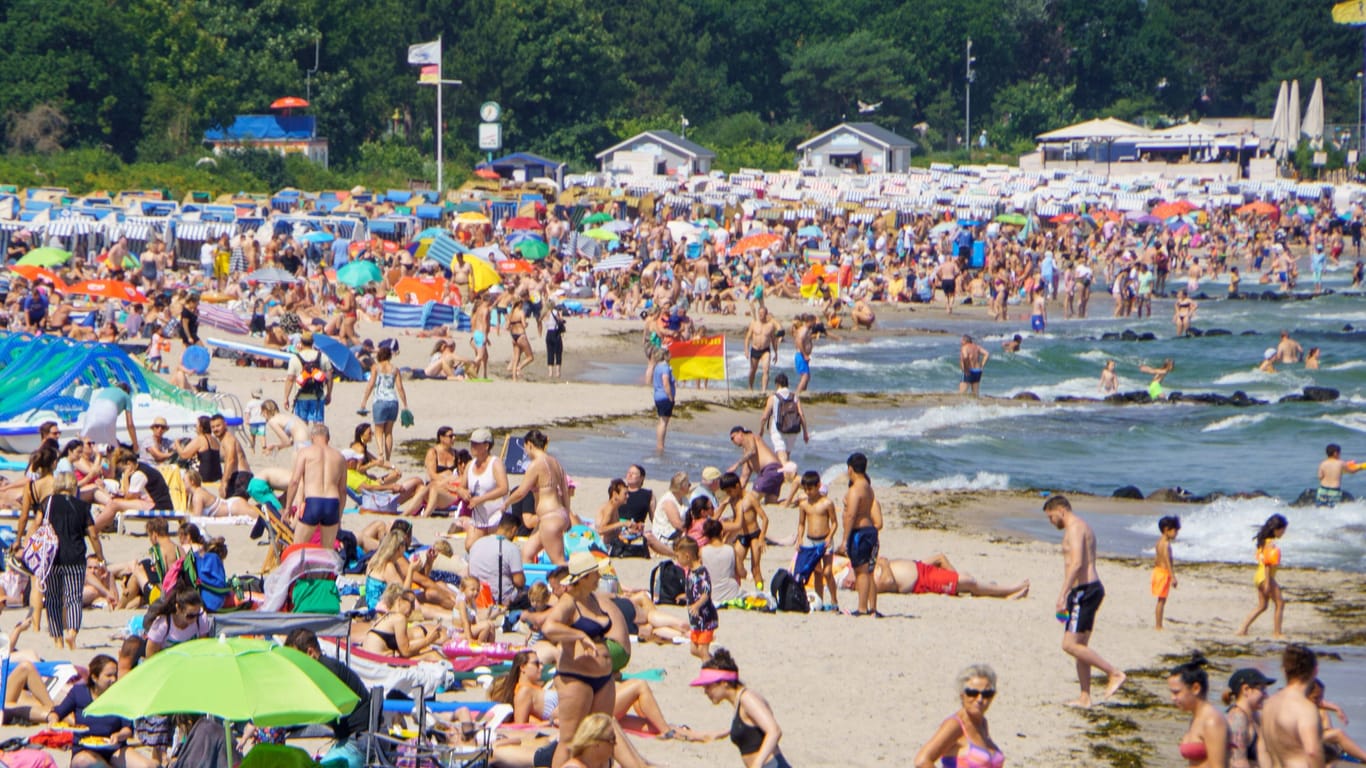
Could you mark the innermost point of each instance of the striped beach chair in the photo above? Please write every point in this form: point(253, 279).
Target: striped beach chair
point(134, 515)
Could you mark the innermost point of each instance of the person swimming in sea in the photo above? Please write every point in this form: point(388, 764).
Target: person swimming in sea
point(1158, 374)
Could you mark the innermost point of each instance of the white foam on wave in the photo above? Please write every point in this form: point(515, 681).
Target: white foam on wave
point(1338, 317)
point(1236, 422)
point(889, 368)
point(1074, 387)
point(982, 481)
point(1223, 531)
point(929, 421)
point(954, 442)
point(1095, 356)
point(1350, 365)
point(1353, 421)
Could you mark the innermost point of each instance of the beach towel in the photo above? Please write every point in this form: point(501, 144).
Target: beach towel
point(175, 485)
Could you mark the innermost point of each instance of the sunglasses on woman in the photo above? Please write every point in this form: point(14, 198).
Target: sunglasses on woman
point(986, 693)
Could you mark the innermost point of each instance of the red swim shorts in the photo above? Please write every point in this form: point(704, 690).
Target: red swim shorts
point(702, 636)
point(930, 579)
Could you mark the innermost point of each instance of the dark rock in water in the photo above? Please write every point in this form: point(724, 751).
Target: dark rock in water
point(1292, 399)
point(1147, 336)
point(1257, 494)
point(1348, 328)
point(1127, 398)
point(1218, 332)
point(1307, 498)
point(1240, 398)
point(1177, 494)
point(1196, 332)
point(1272, 296)
point(1074, 399)
point(1208, 398)
point(1110, 336)
point(1026, 396)
point(1129, 335)
point(1127, 492)
point(1249, 333)
point(1320, 394)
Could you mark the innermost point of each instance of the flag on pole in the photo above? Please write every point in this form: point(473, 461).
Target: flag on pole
point(430, 74)
point(425, 53)
point(701, 358)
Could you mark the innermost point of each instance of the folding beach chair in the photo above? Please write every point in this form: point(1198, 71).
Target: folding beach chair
point(383, 750)
point(123, 518)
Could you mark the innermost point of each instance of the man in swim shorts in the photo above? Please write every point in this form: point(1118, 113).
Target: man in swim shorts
point(761, 339)
point(971, 358)
point(1329, 493)
point(803, 339)
point(863, 520)
point(1080, 597)
point(935, 576)
point(319, 478)
point(758, 463)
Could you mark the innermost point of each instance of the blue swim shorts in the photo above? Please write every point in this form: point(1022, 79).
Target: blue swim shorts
point(321, 511)
point(801, 364)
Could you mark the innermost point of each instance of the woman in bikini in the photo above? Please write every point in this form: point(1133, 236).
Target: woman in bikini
point(546, 477)
point(205, 450)
point(1205, 743)
point(203, 503)
point(391, 635)
point(1184, 313)
point(581, 625)
point(522, 354)
point(754, 730)
point(524, 688)
point(443, 464)
point(964, 741)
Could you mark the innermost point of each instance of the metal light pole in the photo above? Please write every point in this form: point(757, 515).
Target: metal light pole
point(969, 76)
point(440, 86)
point(1361, 87)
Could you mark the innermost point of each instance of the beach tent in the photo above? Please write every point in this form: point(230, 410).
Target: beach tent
point(1104, 129)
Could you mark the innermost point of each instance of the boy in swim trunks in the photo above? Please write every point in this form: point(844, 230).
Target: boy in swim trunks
point(1164, 573)
point(816, 527)
point(1331, 468)
point(702, 615)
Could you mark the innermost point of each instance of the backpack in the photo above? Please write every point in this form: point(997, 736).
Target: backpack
point(311, 379)
point(668, 582)
point(788, 593)
point(789, 417)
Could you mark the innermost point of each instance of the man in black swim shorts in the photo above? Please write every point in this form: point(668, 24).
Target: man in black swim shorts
point(319, 480)
point(863, 520)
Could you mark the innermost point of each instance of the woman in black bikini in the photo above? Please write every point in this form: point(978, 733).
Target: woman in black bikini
point(205, 450)
point(522, 354)
point(444, 465)
point(754, 730)
point(390, 635)
point(581, 625)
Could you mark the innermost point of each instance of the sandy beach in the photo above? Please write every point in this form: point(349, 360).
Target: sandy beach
point(847, 691)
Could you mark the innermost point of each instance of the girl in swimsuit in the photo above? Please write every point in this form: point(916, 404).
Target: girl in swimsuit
point(754, 730)
point(478, 625)
point(964, 741)
point(391, 635)
point(524, 688)
point(546, 477)
point(1205, 742)
point(1268, 559)
point(581, 624)
point(444, 466)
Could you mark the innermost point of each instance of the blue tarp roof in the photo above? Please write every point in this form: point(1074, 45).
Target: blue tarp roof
point(246, 127)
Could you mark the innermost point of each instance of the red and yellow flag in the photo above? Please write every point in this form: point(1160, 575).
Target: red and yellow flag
point(701, 358)
point(430, 74)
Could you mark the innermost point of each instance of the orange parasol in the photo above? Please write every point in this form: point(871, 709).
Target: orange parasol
point(1259, 208)
point(486, 173)
point(1168, 210)
point(515, 266)
point(34, 273)
point(756, 242)
point(108, 289)
point(420, 290)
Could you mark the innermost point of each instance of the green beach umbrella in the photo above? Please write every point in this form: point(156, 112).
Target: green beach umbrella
point(359, 273)
point(597, 218)
point(1018, 219)
point(533, 250)
point(235, 679)
point(45, 257)
point(601, 234)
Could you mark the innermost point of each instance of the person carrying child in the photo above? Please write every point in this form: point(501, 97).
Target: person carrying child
point(1164, 573)
point(702, 617)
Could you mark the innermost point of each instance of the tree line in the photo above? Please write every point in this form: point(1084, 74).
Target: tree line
point(142, 79)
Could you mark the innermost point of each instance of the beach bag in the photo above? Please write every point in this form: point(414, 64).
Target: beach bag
point(40, 550)
point(789, 417)
point(788, 593)
point(668, 582)
point(316, 596)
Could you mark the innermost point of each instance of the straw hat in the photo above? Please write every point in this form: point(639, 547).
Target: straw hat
point(582, 564)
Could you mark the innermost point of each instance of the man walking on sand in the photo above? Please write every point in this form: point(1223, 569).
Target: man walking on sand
point(320, 479)
point(1080, 597)
point(1291, 730)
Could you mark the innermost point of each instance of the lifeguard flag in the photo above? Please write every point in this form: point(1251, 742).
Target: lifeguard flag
point(430, 74)
point(702, 358)
point(425, 53)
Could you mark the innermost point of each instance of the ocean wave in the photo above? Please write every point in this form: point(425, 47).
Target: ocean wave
point(829, 362)
point(930, 420)
point(1353, 421)
point(1095, 356)
point(1075, 387)
point(1236, 422)
point(1223, 531)
point(982, 481)
point(1338, 317)
point(954, 442)
point(1350, 365)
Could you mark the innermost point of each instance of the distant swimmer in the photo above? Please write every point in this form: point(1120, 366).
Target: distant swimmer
point(1311, 359)
point(1268, 361)
point(1012, 344)
point(1184, 313)
point(1330, 476)
point(1159, 375)
point(933, 576)
point(1109, 381)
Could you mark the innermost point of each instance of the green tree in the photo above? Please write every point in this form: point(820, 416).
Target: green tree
point(826, 80)
point(1024, 110)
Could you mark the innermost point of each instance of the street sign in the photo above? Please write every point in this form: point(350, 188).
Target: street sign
point(491, 136)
